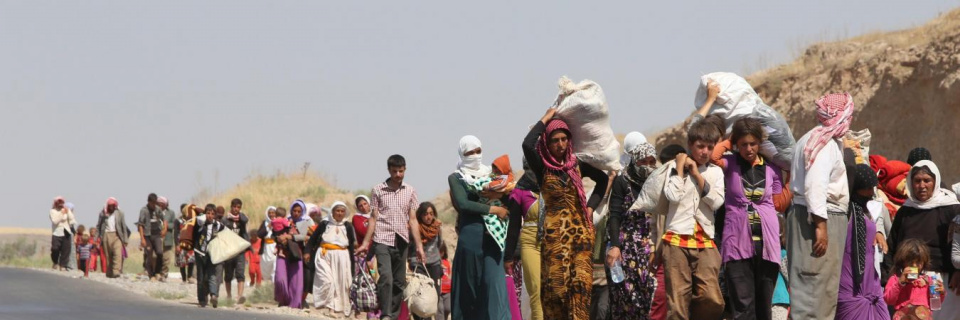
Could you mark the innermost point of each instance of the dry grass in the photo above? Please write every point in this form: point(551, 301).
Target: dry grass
point(280, 190)
point(24, 254)
point(24, 231)
point(811, 60)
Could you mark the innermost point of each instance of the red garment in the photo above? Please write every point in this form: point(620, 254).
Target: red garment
point(445, 283)
point(253, 262)
point(898, 296)
point(890, 173)
point(658, 310)
point(360, 225)
point(251, 255)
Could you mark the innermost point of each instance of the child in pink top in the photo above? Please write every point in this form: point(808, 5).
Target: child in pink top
point(910, 297)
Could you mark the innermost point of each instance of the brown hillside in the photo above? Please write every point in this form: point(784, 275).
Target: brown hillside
point(904, 84)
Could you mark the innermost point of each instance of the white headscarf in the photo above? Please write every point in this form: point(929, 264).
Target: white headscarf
point(471, 168)
point(266, 221)
point(365, 215)
point(941, 197)
point(334, 206)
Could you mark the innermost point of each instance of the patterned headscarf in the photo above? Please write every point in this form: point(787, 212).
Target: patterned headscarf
point(55, 200)
point(636, 147)
point(835, 112)
point(110, 201)
point(569, 165)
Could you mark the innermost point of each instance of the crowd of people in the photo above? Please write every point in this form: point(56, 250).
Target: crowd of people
point(711, 230)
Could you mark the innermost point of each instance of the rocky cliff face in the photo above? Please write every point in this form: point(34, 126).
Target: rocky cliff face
point(905, 86)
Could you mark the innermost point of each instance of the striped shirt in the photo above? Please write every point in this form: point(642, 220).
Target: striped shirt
point(393, 212)
point(699, 239)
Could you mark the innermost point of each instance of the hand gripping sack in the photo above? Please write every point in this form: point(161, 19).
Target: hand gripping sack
point(736, 100)
point(363, 291)
point(226, 245)
point(583, 107)
point(421, 294)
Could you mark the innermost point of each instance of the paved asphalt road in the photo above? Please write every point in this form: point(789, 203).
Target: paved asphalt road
point(28, 294)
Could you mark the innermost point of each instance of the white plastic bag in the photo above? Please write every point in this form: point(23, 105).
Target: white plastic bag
point(736, 100)
point(583, 107)
point(225, 246)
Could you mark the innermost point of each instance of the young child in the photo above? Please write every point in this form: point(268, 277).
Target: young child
point(77, 241)
point(253, 261)
point(694, 190)
point(500, 181)
point(208, 286)
point(445, 282)
point(95, 252)
point(908, 290)
point(83, 253)
point(331, 247)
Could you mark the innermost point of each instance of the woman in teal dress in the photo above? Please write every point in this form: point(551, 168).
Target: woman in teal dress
point(479, 282)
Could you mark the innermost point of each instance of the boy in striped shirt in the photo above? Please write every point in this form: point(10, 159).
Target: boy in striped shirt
point(691, 260)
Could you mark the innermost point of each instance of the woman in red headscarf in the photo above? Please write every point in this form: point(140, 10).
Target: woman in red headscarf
point(567, 223)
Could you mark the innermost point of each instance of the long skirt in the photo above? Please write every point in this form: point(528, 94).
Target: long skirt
point(479, 282)
point(268, 261)
point(631, 299)
point(288, 287)
point(863, 301)
point(331, 283)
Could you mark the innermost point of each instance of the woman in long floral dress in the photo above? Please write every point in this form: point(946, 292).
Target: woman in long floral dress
point(629, 232)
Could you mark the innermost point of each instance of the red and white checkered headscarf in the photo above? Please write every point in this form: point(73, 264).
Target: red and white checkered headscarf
point(835, 113)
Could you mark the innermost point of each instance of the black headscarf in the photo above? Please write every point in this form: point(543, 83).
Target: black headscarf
point(861, 177)
point(917, 155)
point(528, 181)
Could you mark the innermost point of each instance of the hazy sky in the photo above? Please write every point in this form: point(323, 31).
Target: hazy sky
point(125, 98)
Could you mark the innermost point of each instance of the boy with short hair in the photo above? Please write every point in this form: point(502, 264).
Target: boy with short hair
point(393, 227)
point(236, 221)
point(208, 285)
point(695, 190)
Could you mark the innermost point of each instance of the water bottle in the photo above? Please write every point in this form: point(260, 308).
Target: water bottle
point(934, 295)
point(616, 272)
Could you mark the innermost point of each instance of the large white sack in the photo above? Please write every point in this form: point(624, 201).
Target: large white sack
point(584, 107)
point(736, 100)
point(226, 245)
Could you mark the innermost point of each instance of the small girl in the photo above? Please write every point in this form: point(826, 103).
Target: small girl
point(445, 283)
point(253, 260)
point(77, 241)
point(95, 253)
point(908, 290)
point(83, 253)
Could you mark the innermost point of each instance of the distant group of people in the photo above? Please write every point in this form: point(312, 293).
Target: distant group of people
point(716, 230)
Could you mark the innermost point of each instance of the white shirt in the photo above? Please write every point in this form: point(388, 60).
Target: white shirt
point(111, 223)
point(336, 233)
point(823, 188)
point(687, 207)
point(61, 222)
